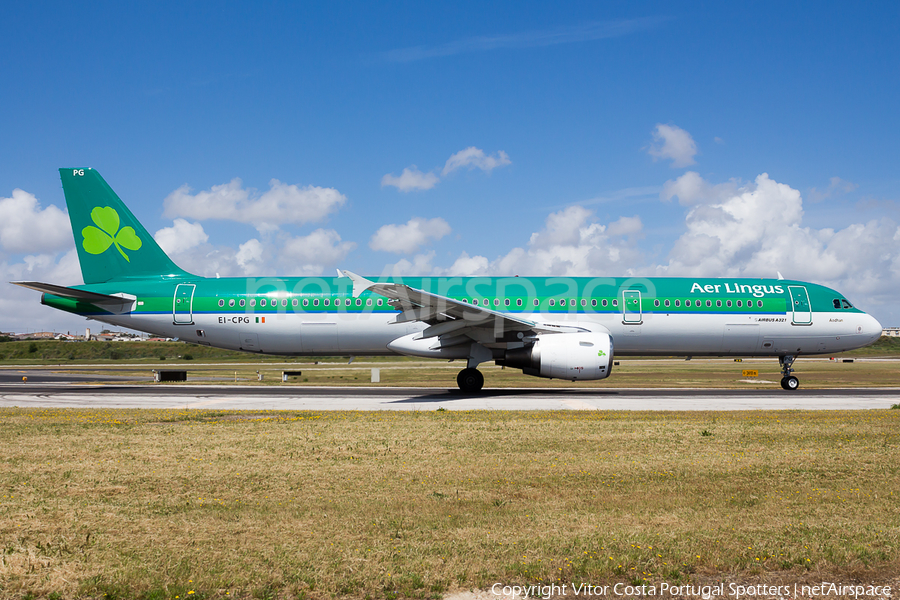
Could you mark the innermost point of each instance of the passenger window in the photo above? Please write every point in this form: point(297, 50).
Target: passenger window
point(294, 302)
point(519, 302)
point(262, 302)
point(284, 302)
point(739, 304)
point(583, 302)
point(698, 303)
point(221, 302)
point(605, 302)
point(677, 303)
point(552, 302)
point(231, 302)
point(369, 302)
point(506, 302)
point(759, 303)
point(315, 302)
point(708, 303)
point(537, 302)
point(242, 302)
point(327, 301)
point(847, 304)
point(358, 302)
point(728, 303)
point(496, 301)
point(656, 303)
point(379, 301)
point(305, 302)
point(718, 304)
point(252, 301)
point(593, 302)
point(615, 301)
point(667, 304)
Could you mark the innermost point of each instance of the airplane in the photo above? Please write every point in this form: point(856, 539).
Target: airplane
point(567, 328)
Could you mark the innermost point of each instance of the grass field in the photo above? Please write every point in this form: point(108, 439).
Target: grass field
point(198, 504)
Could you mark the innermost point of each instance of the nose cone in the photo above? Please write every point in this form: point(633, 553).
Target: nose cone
point(871, 328)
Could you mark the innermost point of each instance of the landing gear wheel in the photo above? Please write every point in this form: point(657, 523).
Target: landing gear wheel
point(790, 383)
point(470, 380)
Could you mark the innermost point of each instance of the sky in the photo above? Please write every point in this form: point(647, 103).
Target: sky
point(508, 138)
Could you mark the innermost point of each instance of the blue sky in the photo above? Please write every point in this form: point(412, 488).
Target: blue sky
point(584, 139)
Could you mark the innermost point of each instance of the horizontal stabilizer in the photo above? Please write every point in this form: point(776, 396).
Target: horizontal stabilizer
point(117, 303)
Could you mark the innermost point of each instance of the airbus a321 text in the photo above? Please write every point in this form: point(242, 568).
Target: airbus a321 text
point(557, 327)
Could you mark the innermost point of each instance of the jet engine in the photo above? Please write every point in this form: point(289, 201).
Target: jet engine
point(573, 356)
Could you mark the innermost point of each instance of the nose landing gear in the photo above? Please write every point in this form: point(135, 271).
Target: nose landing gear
point(788, 381)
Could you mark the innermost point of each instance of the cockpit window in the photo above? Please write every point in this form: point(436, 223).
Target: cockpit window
point(846, 304)
point(836, 302)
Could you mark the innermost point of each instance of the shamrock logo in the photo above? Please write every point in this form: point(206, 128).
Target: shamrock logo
point(601, 353)
point(98, 239)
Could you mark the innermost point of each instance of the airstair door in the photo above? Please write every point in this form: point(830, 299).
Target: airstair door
point(800, 305)
point(182, 303)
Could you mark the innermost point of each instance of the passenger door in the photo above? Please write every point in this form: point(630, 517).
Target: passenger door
point(182, 313)
point(802, 311)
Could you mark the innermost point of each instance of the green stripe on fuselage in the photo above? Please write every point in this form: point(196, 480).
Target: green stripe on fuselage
point(155, 295)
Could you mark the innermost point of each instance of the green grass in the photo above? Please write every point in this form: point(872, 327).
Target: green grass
point(55, 352)
point(162, 503)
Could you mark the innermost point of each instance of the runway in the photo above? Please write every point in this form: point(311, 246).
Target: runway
point(255, 398)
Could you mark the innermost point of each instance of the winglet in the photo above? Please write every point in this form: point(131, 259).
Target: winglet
point(780, 276)
point(360, 284)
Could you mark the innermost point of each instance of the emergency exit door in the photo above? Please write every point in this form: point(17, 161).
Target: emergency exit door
point(631, 306)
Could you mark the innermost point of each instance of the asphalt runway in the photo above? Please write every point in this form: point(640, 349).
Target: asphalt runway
point(256, 398)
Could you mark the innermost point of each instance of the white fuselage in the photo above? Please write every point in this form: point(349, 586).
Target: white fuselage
point(665, 334)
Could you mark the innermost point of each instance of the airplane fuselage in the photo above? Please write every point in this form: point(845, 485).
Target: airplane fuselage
point(645, 316)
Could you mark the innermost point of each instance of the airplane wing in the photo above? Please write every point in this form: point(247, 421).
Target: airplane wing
point(448, 316)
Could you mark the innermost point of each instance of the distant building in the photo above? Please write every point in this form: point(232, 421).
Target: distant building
point(891, 332)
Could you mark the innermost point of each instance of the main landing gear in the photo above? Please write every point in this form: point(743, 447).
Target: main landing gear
point(788, 382)
point(470, 380)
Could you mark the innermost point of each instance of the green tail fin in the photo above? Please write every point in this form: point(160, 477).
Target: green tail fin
point(111, 243)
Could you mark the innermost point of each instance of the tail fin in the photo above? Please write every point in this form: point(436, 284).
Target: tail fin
point(111, 243)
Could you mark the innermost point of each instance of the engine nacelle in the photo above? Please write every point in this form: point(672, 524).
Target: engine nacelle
point(572, 356)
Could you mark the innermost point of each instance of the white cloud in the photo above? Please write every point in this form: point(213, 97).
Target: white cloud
point(673, 143)
point(312, 254)
point(408, 238)
point(475, 158)
point(756, 231)
point(836, 187)
point(22, 307)
point(249, 255)
point(570, 244)
point(411, 179)
point(692, 189)
point(26, 227)
point(180, 237)
point(581, 32)
point(468, 266)
point(418, 266)
point(282, 203)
